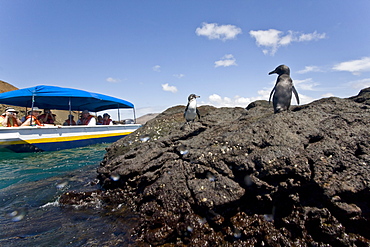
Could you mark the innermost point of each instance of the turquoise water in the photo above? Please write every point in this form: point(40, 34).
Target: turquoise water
point(16, 168)
point(30, 185)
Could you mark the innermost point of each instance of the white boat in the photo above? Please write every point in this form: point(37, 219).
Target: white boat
point(51, 138)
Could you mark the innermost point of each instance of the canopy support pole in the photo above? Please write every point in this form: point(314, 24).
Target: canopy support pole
point(70, 111)
point(134, 114)
point(119, 116)
point(32, 105)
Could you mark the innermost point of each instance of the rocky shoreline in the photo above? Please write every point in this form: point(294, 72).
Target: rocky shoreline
point(245, 177)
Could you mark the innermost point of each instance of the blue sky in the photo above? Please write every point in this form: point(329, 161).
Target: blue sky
point(155, 53)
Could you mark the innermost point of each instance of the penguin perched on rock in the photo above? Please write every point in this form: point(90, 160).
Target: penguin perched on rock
point(191, 110)
point(283, 89)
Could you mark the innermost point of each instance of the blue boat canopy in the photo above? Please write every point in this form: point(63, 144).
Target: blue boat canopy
point(59, 98)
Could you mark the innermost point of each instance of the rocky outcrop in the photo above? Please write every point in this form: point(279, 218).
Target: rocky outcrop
point(247, 177)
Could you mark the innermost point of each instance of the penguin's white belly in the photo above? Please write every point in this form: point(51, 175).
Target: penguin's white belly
point(191, 112)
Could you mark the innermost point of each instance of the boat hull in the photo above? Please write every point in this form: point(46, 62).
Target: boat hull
point(53, 138)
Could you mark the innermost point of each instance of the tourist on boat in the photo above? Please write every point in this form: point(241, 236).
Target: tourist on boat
point(32, 118)
point(47, 118)
point(10, 119)
point(107, 120)
point(23, 119)
point(86, 119)
point(69, 121)
point(100, 120)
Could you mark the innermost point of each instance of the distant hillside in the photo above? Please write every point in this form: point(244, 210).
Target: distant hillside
point(6, 87)
point(146, 118)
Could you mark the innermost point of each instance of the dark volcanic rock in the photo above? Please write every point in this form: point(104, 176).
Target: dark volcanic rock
point(248, 177)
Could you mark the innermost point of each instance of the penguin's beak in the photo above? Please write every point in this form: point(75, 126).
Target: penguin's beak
point(197, 96)
point(272, 72)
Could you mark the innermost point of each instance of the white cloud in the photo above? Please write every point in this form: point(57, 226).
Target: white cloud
point(179, 75)
point(287, 39)
point(236, 101)
point(311, 36)
point(272, 39)
point(157, 68)
point(354, 66)
point(309, 69)
point(360, 84)
point(306, 84)
point(214, 31)
point(303, 99)
point(169, 88)
point(226, 61)
point(268, 38)
point(113, 80)
point(218, 100)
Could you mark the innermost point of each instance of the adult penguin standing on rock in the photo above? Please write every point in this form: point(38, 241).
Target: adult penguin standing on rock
point(282, 89)
point(191, 110)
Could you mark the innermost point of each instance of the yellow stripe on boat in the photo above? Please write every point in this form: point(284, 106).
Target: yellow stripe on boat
point(64, 139)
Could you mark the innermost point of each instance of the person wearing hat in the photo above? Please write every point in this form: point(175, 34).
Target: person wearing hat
point(9, 118)
point(69, 121)
point(31, 119)
point(107, 120)
point(86, 119)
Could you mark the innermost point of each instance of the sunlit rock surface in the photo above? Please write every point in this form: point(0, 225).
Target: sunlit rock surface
point(247, 177)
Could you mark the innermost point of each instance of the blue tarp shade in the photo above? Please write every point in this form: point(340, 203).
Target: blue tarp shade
point(59, 98)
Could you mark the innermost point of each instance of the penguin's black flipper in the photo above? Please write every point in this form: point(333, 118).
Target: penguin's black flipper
point(198, 113)
point(296, 94)
point(186, 109)
point(271, 94)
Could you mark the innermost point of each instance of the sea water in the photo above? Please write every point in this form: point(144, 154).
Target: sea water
point(30, 215)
